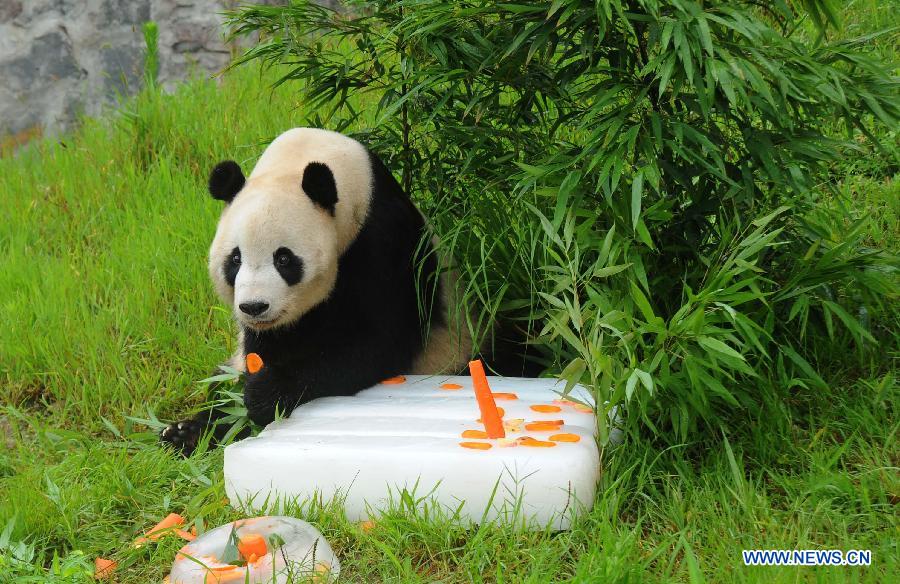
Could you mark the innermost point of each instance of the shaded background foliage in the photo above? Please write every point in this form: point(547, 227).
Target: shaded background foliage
point(635, 185)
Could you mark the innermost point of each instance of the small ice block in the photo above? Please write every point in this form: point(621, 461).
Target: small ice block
point(424, 435)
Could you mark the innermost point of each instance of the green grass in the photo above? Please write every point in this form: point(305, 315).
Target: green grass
point(107, 313)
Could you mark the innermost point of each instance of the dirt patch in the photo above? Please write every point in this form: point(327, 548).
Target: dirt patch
point(7, 434)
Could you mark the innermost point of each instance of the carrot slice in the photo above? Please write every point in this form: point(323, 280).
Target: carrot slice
point(367, 525)
point(564, 402)
point(505, 396)
point(451, 386)
point(565, 437)
point(103, 568)
point(476, 445)
point(546, 409)
point(394, 380)
point(252, 544)
point(474, 434)
point(544, 426)
point(529, 441)
point(492, 417)
point(254, 363)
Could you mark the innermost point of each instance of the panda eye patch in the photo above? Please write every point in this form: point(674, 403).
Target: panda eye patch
point(289, 266)
point(232, 266)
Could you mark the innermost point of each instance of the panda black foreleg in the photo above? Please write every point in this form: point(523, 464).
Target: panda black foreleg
point(185, 435)
point(264, 394)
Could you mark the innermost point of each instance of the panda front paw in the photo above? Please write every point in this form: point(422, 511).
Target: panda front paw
point(182, 436)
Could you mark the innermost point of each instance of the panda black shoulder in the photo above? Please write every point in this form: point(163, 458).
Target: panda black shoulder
point(383, 182)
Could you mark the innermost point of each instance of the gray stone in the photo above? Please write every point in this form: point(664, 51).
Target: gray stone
point(49, 59)
point(117, 12)
point(9, 9)
point(63, 58)
point(122, 69)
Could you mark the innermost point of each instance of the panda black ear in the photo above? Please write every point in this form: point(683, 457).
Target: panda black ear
point(318, 184)
point(226, 180)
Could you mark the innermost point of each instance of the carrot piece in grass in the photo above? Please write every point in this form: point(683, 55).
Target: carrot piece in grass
point(492, 419)
point(103, 568)
point(252, 543)
point(254, 363)
point(171, 521)
point(185, 535)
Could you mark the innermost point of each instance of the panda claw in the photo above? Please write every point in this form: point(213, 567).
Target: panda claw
point(182, 436)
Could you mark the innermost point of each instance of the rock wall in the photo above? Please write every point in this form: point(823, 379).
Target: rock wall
point(60, 58)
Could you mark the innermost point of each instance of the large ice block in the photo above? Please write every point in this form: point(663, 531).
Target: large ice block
point(423, 434)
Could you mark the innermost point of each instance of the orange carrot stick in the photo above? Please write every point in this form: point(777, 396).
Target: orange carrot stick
point(103, 568)
point(493, 424)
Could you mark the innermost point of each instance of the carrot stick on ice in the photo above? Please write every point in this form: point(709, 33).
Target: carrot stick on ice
point(493, 424)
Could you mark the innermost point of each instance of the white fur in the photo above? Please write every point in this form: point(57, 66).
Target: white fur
point(272, 211)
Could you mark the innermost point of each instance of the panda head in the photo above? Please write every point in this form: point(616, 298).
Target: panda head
point(276, 249)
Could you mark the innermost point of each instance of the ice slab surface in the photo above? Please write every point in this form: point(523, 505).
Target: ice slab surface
point(423, 435)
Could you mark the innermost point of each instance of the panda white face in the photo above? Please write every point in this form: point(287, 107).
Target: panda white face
point(276, 250)
point(274, 257)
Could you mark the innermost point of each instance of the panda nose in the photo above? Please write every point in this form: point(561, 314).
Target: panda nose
point(253, 308)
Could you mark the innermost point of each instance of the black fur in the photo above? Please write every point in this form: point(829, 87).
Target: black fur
point(288, 265)
point(226, 180)
point(318, 183)
point(231, 266)
point(370, 327)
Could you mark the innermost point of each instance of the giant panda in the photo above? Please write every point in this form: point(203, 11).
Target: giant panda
point(331, 274)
